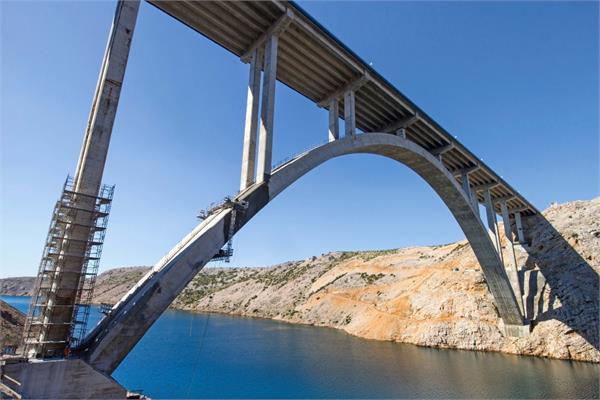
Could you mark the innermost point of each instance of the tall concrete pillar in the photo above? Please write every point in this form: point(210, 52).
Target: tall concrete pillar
point(334, 120)
point(69, 270)
point(267, 111)
point(349, 113)
point(491, 220)
point(466, 184)
point(90, 166)
point(250, 127)
point(519, 226)
point(510, 261)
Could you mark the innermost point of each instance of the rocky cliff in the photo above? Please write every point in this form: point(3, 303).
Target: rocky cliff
point(430, 296)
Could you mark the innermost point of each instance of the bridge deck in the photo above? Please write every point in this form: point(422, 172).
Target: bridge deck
point(314, 63)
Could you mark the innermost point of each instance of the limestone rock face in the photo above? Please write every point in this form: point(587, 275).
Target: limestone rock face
point(430, 296)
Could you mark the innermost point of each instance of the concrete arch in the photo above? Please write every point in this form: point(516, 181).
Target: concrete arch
point(112, 339)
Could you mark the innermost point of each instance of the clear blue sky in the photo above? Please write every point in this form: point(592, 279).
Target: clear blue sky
point(517, 82)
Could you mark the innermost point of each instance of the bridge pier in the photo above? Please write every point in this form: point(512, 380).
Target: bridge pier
point(519, 227)
point(349, 113)
point(466, 184)
point(334, 120)
point(510, 262)
point(491, 220)
point(267, 111)
point(250, 127)
point(65, 271)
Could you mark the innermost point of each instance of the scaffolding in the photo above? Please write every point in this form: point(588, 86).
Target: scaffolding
point(67, 272)
point(226, 252)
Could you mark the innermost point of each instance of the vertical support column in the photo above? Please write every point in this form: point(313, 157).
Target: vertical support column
point(466, 184)
point(401, 132)
point(511, 261)
point(70, 266)
point(250, 127)
point(491, 220)
point(92, 158)
point(519, 225)
point(265, 144)
point(349, 113)
point(334, 120)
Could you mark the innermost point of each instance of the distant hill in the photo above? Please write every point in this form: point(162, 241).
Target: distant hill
point(430, 296)
point(19, 286)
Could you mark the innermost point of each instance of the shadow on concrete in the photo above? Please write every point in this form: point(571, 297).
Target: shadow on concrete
point(568, 277)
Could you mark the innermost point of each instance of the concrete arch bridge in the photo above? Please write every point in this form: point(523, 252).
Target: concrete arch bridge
point(280, 42)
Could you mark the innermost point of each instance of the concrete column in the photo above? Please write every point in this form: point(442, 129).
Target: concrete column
point(520, 231)
point(265, 144)
point(70, 267)
point(466, 184)
point(510, 262)
point(401, 132)
point(334, 120)
point(106, 99)
point(491, 220)
point(349, 113)
point(250, 127)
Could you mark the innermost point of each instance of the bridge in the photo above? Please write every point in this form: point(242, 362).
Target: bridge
point(280, 42)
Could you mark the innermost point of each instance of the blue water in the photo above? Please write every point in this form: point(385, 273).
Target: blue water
point(187, 355)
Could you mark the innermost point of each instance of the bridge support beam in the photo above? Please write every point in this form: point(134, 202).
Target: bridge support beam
point(519, 226)
point(510, 262)
point(349, 113)
point(60, 301)
point(334, 120)
point(92, 158)
point(267, 112)
point(491, 220)
point(250, 127)
point(466, 184)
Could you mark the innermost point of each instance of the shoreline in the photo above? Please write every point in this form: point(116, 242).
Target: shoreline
point(304, 324)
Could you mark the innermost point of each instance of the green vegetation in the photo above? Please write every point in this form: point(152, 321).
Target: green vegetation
point(370, 278)
point(369, 255)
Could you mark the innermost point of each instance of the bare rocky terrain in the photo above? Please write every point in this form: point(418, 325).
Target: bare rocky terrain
point(19, 286)
point(11, 327)
point(429, 296)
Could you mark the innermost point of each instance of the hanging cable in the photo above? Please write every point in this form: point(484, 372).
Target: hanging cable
point(197, 360)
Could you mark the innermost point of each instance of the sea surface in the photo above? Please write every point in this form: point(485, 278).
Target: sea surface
point(186, 355)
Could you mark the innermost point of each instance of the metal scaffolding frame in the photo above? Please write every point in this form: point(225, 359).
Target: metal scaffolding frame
point(51, 273)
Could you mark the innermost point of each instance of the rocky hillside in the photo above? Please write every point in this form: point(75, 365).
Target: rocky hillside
point(430, 296)
point(11, 326)
point(20, 286)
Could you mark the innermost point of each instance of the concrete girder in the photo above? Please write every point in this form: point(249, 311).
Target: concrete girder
point(438, 151)
point(401, 124)
point(274, 30)
point(466, 170)
point(113, 338)
point(351, 86)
